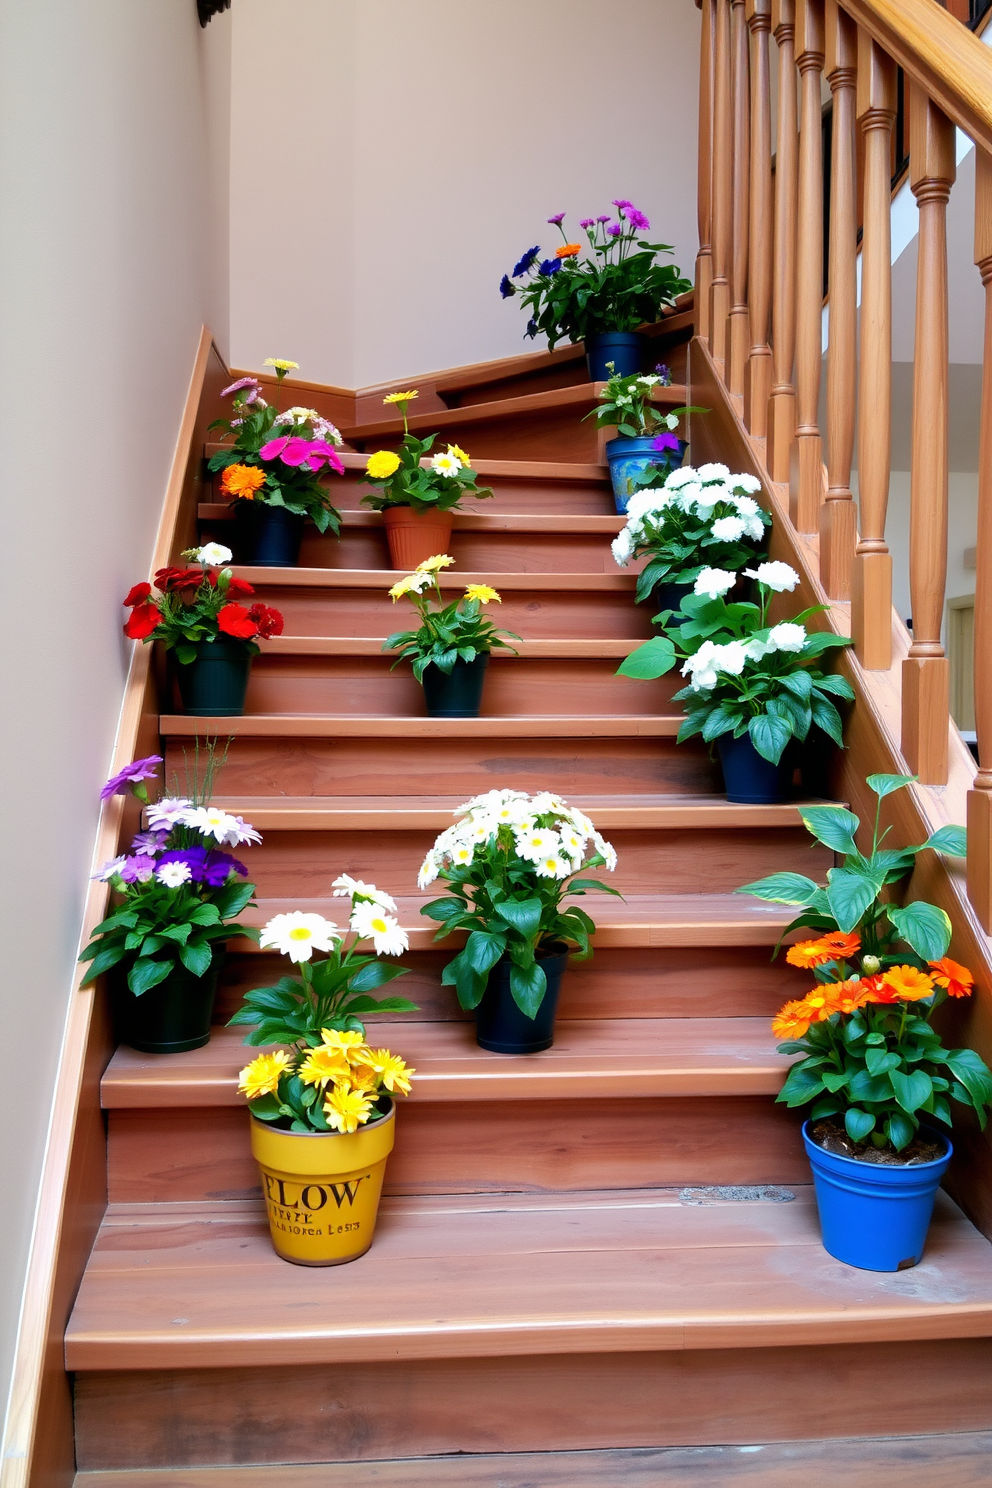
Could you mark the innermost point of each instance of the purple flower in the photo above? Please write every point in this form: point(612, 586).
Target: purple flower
point(136, 870)
point(614, 230)
point(550, 266)
point(637, 219)
point(218, 866)
point(195, 859)
point(138, 770)
point(604, 218)
point(588, 222)
point(527, 261)
point(243, 382)
point(531, 330)
point(621, 204)
point(557, 219)
point(505, 287)
point(665, 442)
point(664, 371)
point(147, 844)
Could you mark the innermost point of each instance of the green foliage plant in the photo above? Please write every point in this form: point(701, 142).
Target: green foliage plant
point(412, 476)
point(459, 631)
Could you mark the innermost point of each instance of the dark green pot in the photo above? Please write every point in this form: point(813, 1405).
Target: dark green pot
point(458, 693)
point(170, 1018)
point(214, 685)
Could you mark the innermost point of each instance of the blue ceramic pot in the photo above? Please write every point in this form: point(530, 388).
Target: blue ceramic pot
point(873, 1215)
point(628, 457)
point(748, 778)
point(622, 348)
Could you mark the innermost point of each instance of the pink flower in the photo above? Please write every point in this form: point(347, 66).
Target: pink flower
point(242, 382)
point(274, 447)
point(312, 454)
point(320, 452)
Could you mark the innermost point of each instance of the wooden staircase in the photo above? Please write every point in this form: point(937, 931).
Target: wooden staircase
point(595, 1266)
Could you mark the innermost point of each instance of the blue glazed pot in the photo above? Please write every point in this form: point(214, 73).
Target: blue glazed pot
point(622, 348)
point(628, 457)
point(748, 778)
point(874, 1216)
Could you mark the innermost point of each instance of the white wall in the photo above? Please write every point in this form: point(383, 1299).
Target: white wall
point(391, 159)
point(105, 277)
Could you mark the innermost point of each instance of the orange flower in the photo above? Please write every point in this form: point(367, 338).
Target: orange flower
point(876, 990)
point(951, 974)
point(242, 481)
point(568, 250)
point(793, 1021)
point(807, 953)
point(843, 997)
point(908, 984)
point(841, 943)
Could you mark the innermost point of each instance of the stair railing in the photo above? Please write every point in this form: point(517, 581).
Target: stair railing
point(759, 289)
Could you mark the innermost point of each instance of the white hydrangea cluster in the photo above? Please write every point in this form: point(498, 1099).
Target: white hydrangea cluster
point(696, 491)
point(705, 667)
point(544, 829)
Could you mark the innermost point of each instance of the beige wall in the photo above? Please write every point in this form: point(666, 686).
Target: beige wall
point(391, 159)
point(105, 278)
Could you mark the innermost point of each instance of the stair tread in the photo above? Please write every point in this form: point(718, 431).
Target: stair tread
point(590, 1059)
point(608, 525)
point(550, 470)
point(384, 578)
point(356, 725)
point(199, 1286)
point(562, 648)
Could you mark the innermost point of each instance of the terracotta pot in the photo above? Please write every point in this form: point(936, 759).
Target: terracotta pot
point(414, 537)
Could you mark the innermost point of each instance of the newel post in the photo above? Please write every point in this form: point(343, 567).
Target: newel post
point(758, 375)
point(737, 330)
point(980, 798)
point(806, 467)
point(782, 403)
point(838, 523)
point(871, 586)
point(704, 186)
point(722, 184)
point(925, 675)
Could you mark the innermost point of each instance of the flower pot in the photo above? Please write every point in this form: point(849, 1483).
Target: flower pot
point(500, 1025)
point(749, 779)
point(458, 693)
point(622, 348)
point(267, 536)
point(669, 596)
point(214, 685)
point(414, 537)
point(322, 1189)
point(628, 457)
point(170, 1018)
point(874, 1216)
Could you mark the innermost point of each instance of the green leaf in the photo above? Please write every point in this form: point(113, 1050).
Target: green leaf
point(782, 888)
point(849, 895)
point(265, 1107)
point(834, 826)
point(769, 736)
point(196, 958)
point(900, 1130)
point(205, 914)
point(523, 914)
point(800, 1086)
point(375, 974)
point(145, 974)
point(924, 927)
point(879, 1061)
point(912, 1090)
point(444, 909)
point(973, 1074)
point(858, 1123)
point(951, 840)
point(528, 986)
point(884, 785)
point(483, 949)
point(105, 958)
point(650, 661)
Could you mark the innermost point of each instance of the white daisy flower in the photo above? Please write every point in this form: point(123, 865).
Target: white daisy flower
point(606, 850)
point(109, 870)
point(534, 843)
point(446, 464)
point(370, 922)
point(210, 821)
point(728, 529)
point(173, 874)
point(552, 866)
point(787, 637)
point(165, 813)
point(461, 854)
point(776, 576)
point(213, 555)
point(572, 842)
point(429, 870)
point(297, 935)
point(714, 582)
point(345, 886)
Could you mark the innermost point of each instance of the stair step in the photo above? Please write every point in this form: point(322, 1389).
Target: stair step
point(952, 1460)
point(381, 580)
point(551, 524)
point(589, 1060)
point(562, 648)
point(199, 1287)
point(349, 726)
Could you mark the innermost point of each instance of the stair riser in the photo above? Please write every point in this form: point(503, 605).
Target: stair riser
point(365, 685)
point(552, 434)
point(378, 1409)
point(670, 982)
point(510, 494)
point(202, 1154)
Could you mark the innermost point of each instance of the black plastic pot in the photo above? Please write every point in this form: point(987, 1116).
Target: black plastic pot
point(669, 596)
point(267, 536)
point(749, 779)
point(458, 693)
point(170, 1018)
point(214, 685)
point(500, 1025)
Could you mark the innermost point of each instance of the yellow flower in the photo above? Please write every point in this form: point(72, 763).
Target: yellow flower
point(400, 397)
point(415, 583)
point(323, 1065)
point(395, 1074)
point(346, 1110)
point(363, 1079)
point(482, 593)
point(459, 454)
point(261, 1077)
point(382, 464)
point(281, 365)
point(431, 565)
point(351, 1046)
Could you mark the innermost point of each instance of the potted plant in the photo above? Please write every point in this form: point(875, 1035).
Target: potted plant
point(196, 615)
point(873, 1068)
point(689, 521)
point(600, 299)
point(646, 438)
point(272, 471)
point(753, 687)
point(417, 492)
point(179, 895)
point(322, 1114)
point(509, 864)
point(450, 650)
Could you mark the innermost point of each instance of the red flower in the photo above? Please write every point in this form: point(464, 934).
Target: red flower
point(137, 595)
point(178, 580)
point(234, 620)
point(237, 588)
point(268, 620)
point(142, 620)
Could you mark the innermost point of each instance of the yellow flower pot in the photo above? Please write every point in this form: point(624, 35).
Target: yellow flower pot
point(322, 1189)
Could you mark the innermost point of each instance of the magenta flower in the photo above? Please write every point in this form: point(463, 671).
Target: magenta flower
point(138, 770)
point(604, 218)
point(665, 442)
point(614, 230)
point(242, 382)
point(275, 447)
point(557, 219)
point(311, 454)
point(637, 219)
point(588, 222)
point(321, 452)
point(622, 203)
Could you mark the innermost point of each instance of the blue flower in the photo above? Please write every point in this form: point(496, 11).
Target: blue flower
point(531, 330)
point(527, 261)
point(550, 266)
point(505, 287)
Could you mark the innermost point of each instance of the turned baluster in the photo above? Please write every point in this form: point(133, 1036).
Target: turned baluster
point(722, 183)
point(704, 187)
point(737, 332)
point(758, 378)
point(782, 403)
point(838, 523)
point(925, 680)
point(871, 584)
point(980, 798)
point(806, 468)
